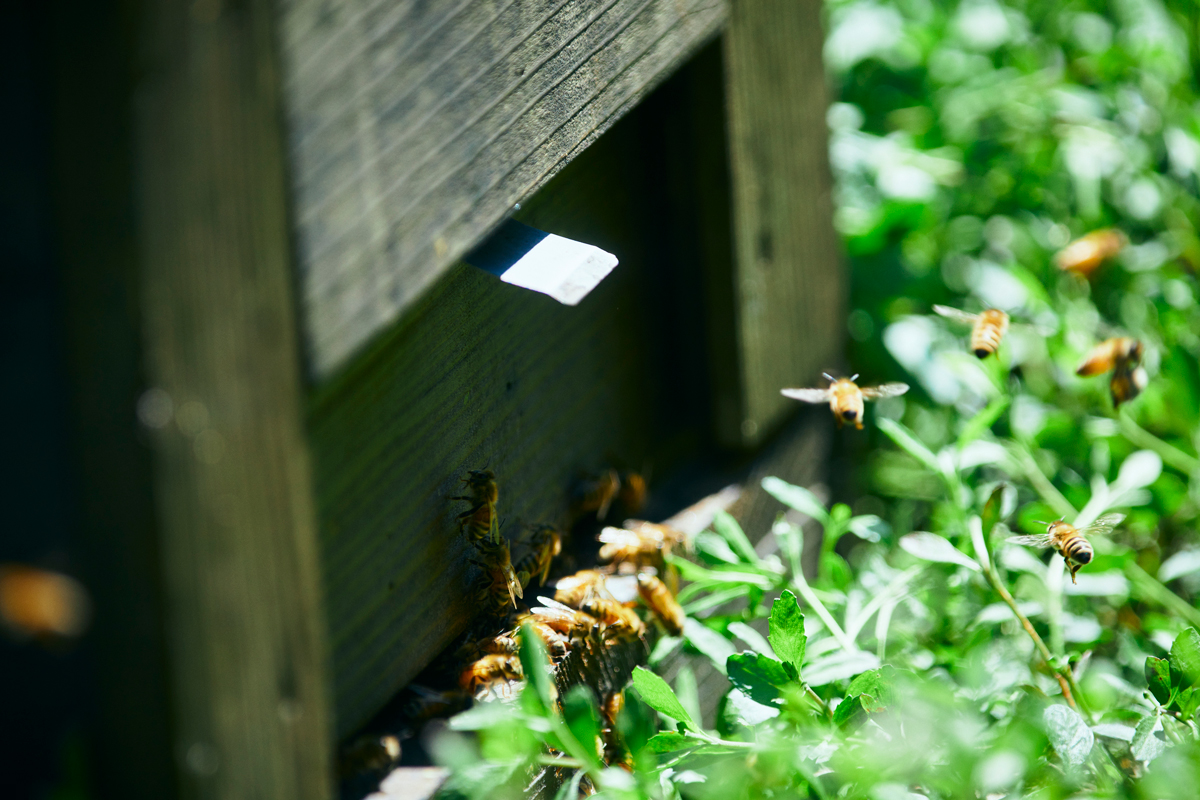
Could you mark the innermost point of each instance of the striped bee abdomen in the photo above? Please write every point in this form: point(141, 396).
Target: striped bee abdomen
point(1078, 550)
point(988, 331)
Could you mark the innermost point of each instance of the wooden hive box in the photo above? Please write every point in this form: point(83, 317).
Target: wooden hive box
point(282, 366)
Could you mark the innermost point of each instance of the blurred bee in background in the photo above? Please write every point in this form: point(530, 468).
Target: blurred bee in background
point(614, 748)
point(545, 543)
point(480, 521)
point(368, 754)
point(501, 585)
point(988, 329)
point(1088, 252)
point(575, 590)
point(659, 599)
point(1069, 541)
point(43, 604)
point(597, 494)
point(642, 543)
point(489, 672)
point(633, 492)
point(845, 398)
point(1123, 355)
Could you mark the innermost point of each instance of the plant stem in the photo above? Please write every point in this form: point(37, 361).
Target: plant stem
point(1170, 454)
point(559, 761)
point(1033, 473)
point(815, 603)
point(1150, 588)
point(821, 704)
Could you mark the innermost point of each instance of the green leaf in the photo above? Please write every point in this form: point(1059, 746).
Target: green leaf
point(849, 710)
point(582, 717)
point(758, 676)
point(1187, 701)
point(1158, 675)
point(1146, 745)
point(709, 642)
point(907, 441)
point(796, 497)
point(983, 421)
point(878, 684)
point(991, 511)
point(1070, 735)
point(659, 696)
point(786, 633)
point(535, 663)
point(713, 549)
point(1185, 659)
point(668, 742)
point(724, 524)
point(931, 547)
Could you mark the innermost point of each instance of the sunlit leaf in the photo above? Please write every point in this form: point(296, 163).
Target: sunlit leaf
point(796, 497)
point(908, 442)
point(582, 718)
point(1147, 744)
point(669, 741)
point(752, 638)
point(747, 711)
point(849, 710)
point(757, 675)
point(1068, 733)
point(729, 529)
point(786, 634)
point(657, 694)
point(931, 547)
point(991, 511)
point(1138, 470)
point(868, 527)
point(714, 549)
point(1185, 659)
point(1185, 562)
point(839, 666)
point(709, 642)
point(1158, 676)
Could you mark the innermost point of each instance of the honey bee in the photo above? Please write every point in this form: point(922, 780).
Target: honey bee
point(546, 544)
point(989, 327)
point(556, 644)
point(1069, 541)
point(38, 602)
point(633, 492)
point(645, 546)
point(597, 494)
point(480, 521)
point(1088, 252)
point(1123, 355)
point(489, 671)
point(501, 581)
point(575, 590)
point(569, 622)
point(615, 617)
point(369, 754)
point(661, 602)
point(845, 398)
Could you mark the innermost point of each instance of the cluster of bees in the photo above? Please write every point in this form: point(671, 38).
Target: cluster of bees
point(584, 605)
point(1120, 355)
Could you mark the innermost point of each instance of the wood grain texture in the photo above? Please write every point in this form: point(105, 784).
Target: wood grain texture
point(232, 482)
point(415, 127)
point(482, 373)
point(789, 284)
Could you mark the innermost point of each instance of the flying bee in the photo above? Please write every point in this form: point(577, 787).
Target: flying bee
point(988, 329)
point(845, 398)
point(489, 671)
point(575, 590)
point(369, 754)
point(615, 616)
point(545, 544)
point(480, 520)
point(597, 494)
point(1123, 355)
point(633, 492)
point(1089, 251)
point(500, 579)
point(1069, 541)
point(661, 602)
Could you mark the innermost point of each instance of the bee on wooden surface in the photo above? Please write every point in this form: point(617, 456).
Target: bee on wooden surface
point(500, 644)
point(545, 544)
point(633, 492)
point(597, 494)
point(1123, 355)
point(1089, 251)
point(845, 398)
point(556, 644)
point(988, 327)
point(661, 602)
point(480, 522)
point(569, 622)
point(369, 754)
point(487, 672)
point(614, 616)
point(645, 546)
point(501, 585)
point(574, 590)
point(1069, 541)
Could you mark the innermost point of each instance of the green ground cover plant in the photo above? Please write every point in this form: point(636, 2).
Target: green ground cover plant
point(930, 657)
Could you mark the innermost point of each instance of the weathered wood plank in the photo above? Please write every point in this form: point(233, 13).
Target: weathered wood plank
point(416, 126)
point(788, 282)
point(231, 468)
point(480, 372)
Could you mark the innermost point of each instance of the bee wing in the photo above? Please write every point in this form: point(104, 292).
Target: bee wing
point(886, 390)
point(612, 535)
point(1040, 540)
point(807, 395)
point(956, 315)
point(1103, 525)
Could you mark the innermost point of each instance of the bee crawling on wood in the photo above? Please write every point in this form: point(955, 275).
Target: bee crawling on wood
point(501, 585)
point(639, 542)
point(845, 398)
point(564, 620)
point(615, 617)
point(490, 672)
point(575, 590)
point(659, 599)
point(546, 544)
point(1123, 355)
point(987, 331)
point(1069, 541)
point(597, 494)
point(479, 521)
point(1089, 251)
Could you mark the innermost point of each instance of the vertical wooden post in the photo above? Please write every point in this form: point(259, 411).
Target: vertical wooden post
point(225, 411)
point(789, 285)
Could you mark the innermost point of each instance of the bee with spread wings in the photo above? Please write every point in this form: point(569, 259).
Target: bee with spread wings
point(845, 398)
point(1069, 541)
point(987, 327)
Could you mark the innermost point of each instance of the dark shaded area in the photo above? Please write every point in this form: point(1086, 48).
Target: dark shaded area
point(505, 247)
